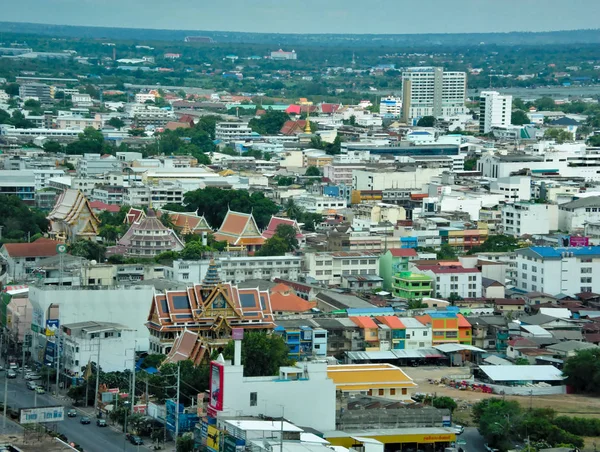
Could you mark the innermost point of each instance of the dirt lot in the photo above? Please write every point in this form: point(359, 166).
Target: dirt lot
point(33, 444)
point(568, 404)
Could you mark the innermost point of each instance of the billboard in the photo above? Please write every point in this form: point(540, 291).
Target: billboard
point(579, 241)
point(216, 386)
point(237, 334)
point(42, 414)
point(51, 327)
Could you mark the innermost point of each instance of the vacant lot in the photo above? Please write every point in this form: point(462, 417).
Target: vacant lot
point(568, 404)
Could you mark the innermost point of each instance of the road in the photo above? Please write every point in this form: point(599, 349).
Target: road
point(90, 437)
point(474, 440)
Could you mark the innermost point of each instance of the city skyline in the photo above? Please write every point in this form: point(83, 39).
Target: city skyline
point(334, 16)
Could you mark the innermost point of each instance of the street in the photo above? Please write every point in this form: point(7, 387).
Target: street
point(90, 437)
point(474, 440)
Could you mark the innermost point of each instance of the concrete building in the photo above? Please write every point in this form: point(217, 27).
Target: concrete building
point(529, 218)
point(494, 110)
point(283, 55)
point(82, 340)
point(429, 91)
point(95, 165)
point(75, 122)
point(330, 268)
point(232, 131)
point(18, 260)
point(514, 188)
point(406, 177)
point(453, 279)
point(320, 204)
point(573, 216)
point(21, 184)
point(38, 91)
point(390, 107)
point(554, 271)
point(155, 195)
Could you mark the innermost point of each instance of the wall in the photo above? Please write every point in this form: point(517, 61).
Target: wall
point(310, 403)
point(528, 390)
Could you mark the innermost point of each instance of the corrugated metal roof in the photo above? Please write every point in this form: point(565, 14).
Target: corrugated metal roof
point(522, 373)
point(453, 348)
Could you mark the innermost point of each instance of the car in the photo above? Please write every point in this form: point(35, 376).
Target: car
point(84, 420)
point(101, 423)
point(1, 367)
point(31, 385)
point(11, 374)
point(40, 390)
point(489, 449)
point(134, 439)
point(459, 429)
point(33, 377)
point(72, 413)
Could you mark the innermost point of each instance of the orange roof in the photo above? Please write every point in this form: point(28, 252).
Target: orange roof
point(392, 321)
point(364, 322)
point(358, 377)
point(281, 288)
point(290, 303)
point(250, 241)
point(42, 247)
point(234, 223)
point(424, 319)
point(462, 322)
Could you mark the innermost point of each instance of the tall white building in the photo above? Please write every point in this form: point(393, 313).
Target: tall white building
point(495, 109)
point(390, 107)
point(429, 91)
point(555, 271)
point(522, 218)
point(232, 131)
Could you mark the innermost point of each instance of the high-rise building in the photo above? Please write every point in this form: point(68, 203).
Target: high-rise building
point(429, 91)
point(494, 110)
point(37, 91)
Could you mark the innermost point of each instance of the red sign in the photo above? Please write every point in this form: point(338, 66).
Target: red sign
point(140, 409)
point(237, 334)
point(579, 241)
point(216, 386)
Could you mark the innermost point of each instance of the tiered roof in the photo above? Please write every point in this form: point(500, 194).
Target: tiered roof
point(187, 222)
point(239, 229)
point(72, 216)
point(144, 235)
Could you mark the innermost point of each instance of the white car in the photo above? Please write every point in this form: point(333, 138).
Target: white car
point(459, 429)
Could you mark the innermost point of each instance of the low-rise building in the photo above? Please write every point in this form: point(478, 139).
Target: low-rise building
point(232, 131)
point(412, 286)
point(572, 216)
point(523, 218)
point(329, 268)
point(21, 259)
point(454, 280)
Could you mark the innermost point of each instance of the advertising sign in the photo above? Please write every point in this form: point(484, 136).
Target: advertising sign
point(216, 386)
point(42, 414)
point(212, 438)
point(51, 327)
point(237, 334)
point(579, 241)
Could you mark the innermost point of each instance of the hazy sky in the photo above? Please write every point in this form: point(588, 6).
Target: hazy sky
point(314, 16)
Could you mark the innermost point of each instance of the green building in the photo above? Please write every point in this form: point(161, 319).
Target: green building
point(394, 261)
point(412, 286)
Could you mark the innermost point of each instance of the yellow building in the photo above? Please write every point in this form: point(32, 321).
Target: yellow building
point(397, 439)
point(383, 380)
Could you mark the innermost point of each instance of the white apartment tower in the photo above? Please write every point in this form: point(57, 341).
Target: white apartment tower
point(429, 91)
point(495, 109)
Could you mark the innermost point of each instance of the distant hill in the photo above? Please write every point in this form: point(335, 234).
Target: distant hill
point(286, 40)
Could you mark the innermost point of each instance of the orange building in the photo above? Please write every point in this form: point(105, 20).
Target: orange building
point(370, 332)
point(447, 328)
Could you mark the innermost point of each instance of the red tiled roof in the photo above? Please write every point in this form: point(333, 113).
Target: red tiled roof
point(510, 301)
point(99, 205)
point(403, 252)
point(40, 248)
point(290, 303)
point(293, 127)
point(462, 322)
point(276, 221)
point(392, 321)
point(293, 109)
point(174, 125)
point(329, 108)
point(451, 269)
point(364, 322)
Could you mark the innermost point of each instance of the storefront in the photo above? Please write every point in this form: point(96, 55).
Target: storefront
point(431, 439)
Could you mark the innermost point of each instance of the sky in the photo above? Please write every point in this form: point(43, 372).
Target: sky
point(314, 16)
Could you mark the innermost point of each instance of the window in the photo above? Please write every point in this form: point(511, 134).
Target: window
point(253, 399)
point(533, 268)
point(185, 276)
point(586, 270)
point(586, 280)
point(392, 391)
point(109, 334)
point(451, 334)
point(381, 392)
point(533, 278)
point(403, 391)
point(454, 278)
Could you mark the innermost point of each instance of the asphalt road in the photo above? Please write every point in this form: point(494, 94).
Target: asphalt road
point(474, 440)
point(91, 437)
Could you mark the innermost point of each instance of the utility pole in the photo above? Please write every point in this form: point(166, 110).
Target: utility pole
point(281, 432)
point(133, 385)
point(57, 338)
point(177, 405)
point(5, 401)
point(146, 394)
point(97, 376)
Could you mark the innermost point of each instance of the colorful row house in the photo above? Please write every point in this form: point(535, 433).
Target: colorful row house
point(447, 328)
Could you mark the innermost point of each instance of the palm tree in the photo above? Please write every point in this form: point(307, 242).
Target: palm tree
point(167, 221)
point(292, 210)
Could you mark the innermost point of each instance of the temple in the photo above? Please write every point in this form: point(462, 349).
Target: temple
point(148, 237)
point(276, 221)
point(187, 222)
point(192, 323)
point(240, 232)
point(72, 218)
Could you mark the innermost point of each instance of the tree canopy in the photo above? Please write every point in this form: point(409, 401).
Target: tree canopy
point(426, 121)
point(262, 354)
point(283, 241)
point(19, 221)
point(496, 244)
point(519, 118)
point(213, 203)
point(270, 123)
point(559, 135)
point(583, 371)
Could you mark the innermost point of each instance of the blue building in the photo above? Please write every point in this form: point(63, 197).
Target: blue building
point(304, 341)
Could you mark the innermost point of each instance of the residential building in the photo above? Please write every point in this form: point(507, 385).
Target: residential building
point(390, 107)
point(568, 270)
point(453, 279)
point(19, 260)
point(82, 340)
point(21, 184)
point(300, 342)
point(239, 269)
point(412, 286)
point(418, 335)
point(144, 115)
point(320, 204)
point(361, 283)
point(154, 195)
point(108, 194)
point(94, 165)
point(329, 268)
point(75, 122)
point(284, 301)
point(393, 261)
point(514, 188)
point(43, 176)
point(494, 110)
point(429, 91)
point(522, 218)
point(283, 55)
point(72, 218)
point(406, 177)
point(573, 216)
point(38, 91)
point(142, 98)
point(462, 239)
point(232, 131)
point(447, 327)
point(82, 100)
point(210, 309)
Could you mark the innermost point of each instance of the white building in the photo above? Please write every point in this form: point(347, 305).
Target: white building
point(82, 100)
point(76, 122)
point(232, 131)
point(238, 269)
point(555, 271)
point(95, 165)
point(417, 334)
point(142, 98)
point(157, 195)
point(329, 268)
point(43, 176)
point(447, 280)
point(82, 340)
point(283, 55)
point(411, 178)
point(320, 204)
point(125, 305)
point(390, 107)
point(514, 188)
point(529, 218)
point(429, 91)
point(573, 215)
point(494, 110)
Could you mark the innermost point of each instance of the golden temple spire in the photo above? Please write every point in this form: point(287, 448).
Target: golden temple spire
point(186, 227)
point(307, 127)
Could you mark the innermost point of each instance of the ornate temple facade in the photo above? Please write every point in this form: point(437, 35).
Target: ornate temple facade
point(72, 218)
point(192, 323)
point(240, 232)
point(187, 222)
point(148, 237)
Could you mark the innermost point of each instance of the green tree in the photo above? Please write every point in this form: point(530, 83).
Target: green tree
point(522, 362)
point(88, 249)
point(498, 243)
point(19, 221)
point(416, 304)
point(115, 122)
point(335, 147)
point(426, 121)
point(288, 234)
point(153, 360)
point(185, 444)
point(12, 89)
point(90, 141)
point(270, 123)
point(471, 164)
point(274, 246)
point(193, 250)
point(444, 403)
point(167, 221)
point(545, 104)
point(262, 354)
point(446, 252)
point(519, 118)
point(594, 140)
point(109, 233)
point(559, 135)
point(583, 371)
point(53, 147)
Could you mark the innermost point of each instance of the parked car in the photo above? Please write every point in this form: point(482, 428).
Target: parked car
point(72, 413)
point(31, 385)
point(84, 420)
point(40, 390)
point(33, 377)
point(101, 423)
point(134, 439)
point(11, 374)
point(459, 429)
